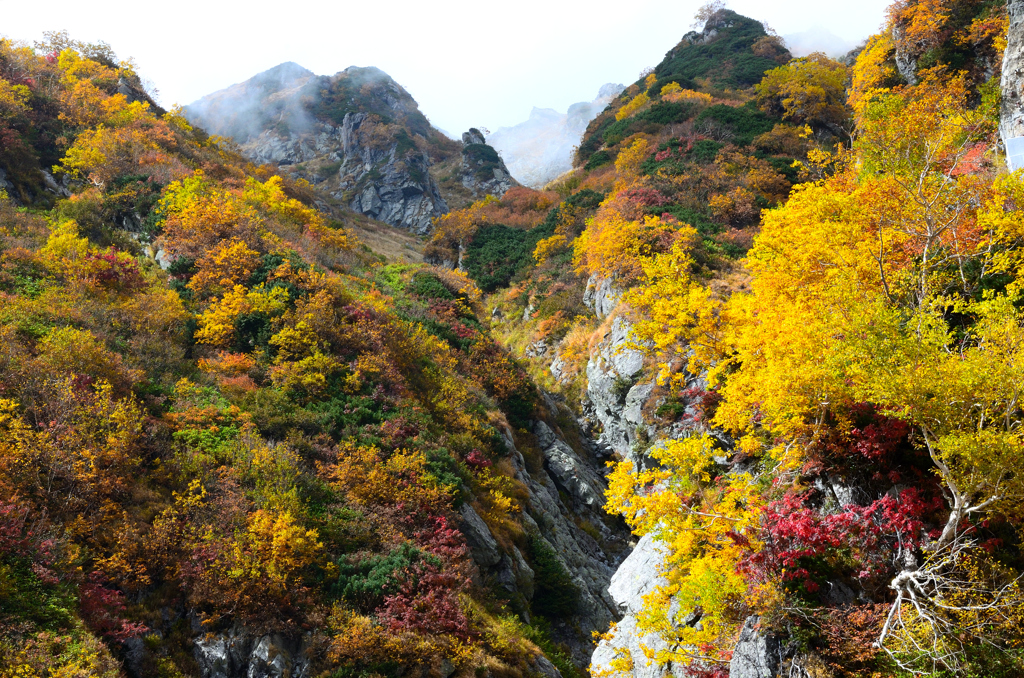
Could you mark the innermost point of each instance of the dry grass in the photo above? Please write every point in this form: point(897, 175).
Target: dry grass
point(394, 244)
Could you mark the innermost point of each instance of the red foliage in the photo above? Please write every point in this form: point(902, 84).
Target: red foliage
point(793, 532)
point(477, 460)
point(113, 271)
point(427, 602)
point(103, 610)
point(20, 540)
point(880, 438)
point(641, 196)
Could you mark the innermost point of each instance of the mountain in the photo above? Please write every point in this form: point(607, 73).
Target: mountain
point(730, 53)
point(243, 433)
point(540, 149)
point(358, 136)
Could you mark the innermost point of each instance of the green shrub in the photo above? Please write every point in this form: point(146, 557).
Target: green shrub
point(699, 220)
point(705, 151)
point(555, 593)
point(745, 121)
point(366, 582)
point(496, 254)
point(597, 160)
point(667, 113)
point(727, 60)
point(586, 199)
point(429, 287)
point(482, 159)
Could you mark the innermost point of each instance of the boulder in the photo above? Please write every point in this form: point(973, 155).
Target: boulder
point(757, 654)
point(239, 654)
point(482, 545)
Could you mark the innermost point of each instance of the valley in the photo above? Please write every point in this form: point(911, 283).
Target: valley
point(716, 375)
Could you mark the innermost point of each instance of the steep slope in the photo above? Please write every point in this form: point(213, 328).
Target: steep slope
point(540, 149)
point(236, 441)
point(818, 475)
point(357, 136)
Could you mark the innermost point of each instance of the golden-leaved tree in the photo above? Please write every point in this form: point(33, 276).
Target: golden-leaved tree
point(891, 286)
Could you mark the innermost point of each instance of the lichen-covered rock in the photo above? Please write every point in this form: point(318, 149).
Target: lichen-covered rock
point(757, 654)
point(638, 575)
point(239, 654)
point(1011, 123)
point(482, 546)
point(483, 170)
point(601, 296)
point(616, 400)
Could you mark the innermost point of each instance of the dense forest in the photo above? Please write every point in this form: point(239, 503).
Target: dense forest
point(781, 297)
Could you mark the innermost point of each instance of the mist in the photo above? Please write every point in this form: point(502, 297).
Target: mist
point(467, 64)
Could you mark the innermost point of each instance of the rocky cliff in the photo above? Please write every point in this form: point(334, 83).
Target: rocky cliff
point(483, 169)
point(1011, 123)
point(540, 149)
point(359, 137)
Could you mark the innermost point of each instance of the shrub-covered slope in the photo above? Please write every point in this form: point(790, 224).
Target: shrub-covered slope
point(235, 439)
point(792, 314)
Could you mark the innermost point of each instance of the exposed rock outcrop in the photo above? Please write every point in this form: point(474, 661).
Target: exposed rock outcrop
point(236, 654)
point(483, 170)
point(757, 654)
point(589, 561)
point(1011, 123)
point(638, 575)
point(357, 135)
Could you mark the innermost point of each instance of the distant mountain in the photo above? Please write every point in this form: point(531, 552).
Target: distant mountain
point(540, 149)
point(817, 39)
point(359, 137)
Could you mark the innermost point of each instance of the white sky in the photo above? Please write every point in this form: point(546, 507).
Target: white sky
point(466, 63)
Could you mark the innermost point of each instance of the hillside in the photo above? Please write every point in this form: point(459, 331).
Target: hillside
point(769, 331)
point(236, 440)
point(357, 136)
point(737, 396)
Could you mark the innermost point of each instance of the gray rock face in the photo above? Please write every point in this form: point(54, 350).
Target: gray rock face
point(357, 135)
point(237, 654)
point(588, 562)
point(757, 655)
point(906, 64)
point(4, 184)
point(374, 177)
point(616, 400)
point(483, 170)
point(569, 472)
point(473, 136)
point(52, 186)
point(482, 545)
point(638, 575)
point(387, 186)
point(601, 296)
point(1011, 123)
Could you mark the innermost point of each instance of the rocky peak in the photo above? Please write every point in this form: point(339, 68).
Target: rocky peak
point(358, 136)
point(483, 170)
point(473, 136)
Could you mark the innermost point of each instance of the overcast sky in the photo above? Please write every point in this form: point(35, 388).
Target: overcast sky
point(466, 63)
